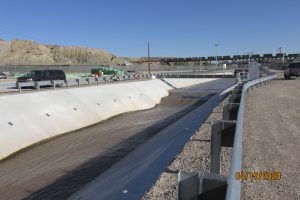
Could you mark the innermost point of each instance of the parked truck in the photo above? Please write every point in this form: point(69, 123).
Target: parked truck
point(293, 69)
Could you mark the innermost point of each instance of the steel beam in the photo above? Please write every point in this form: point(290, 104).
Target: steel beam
point(230, 111)
point(201, 186)
point(222, 134)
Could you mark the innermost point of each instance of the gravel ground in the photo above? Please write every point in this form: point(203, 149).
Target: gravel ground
point(272, 140)
point(194, 157)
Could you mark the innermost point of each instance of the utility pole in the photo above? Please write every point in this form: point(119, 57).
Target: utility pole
point(280, 50)
point(216, 45)
point(200, 64)
point(249, 53)
point(149, 58)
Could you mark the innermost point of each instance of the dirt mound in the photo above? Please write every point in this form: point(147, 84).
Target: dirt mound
point(24, 52)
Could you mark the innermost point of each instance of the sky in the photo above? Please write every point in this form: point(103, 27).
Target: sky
point(180, 28)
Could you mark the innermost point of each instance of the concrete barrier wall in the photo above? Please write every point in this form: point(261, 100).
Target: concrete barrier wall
point(30, 118)
point(185, 82)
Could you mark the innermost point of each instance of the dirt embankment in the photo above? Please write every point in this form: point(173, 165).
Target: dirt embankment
point(24, 52)
point(272, 140)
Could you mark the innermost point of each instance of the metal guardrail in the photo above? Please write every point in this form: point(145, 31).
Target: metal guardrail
point(234, 186)
point(78, 82)
point(228, 133)
point(21, 69)
point(196, 74)
point(92, 80)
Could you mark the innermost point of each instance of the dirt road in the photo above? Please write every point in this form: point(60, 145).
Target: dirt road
point(272, 140)
point(58, 168)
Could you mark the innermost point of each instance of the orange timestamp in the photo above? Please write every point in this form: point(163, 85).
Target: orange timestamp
point(258, 176)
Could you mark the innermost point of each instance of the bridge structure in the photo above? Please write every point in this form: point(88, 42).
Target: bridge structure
point(261, 58)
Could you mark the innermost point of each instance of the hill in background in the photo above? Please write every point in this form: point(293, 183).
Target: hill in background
point(25, 52)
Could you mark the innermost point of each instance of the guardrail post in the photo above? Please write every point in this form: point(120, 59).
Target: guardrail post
point(78, 82)
point(201, 186)
point(67, 83)
point(230, 111)
point(36, 85)
point(19, 88)
point(87, 80)
point(234, 98)
point(222, 134)
point(237, 90)
point(215, 146)
point(53, 84)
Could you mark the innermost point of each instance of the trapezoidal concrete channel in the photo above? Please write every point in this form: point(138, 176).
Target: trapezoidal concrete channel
point(57, 168)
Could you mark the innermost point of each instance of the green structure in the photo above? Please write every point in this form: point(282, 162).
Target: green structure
point(107, 71)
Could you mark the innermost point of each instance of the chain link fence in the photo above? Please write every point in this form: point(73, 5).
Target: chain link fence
point(18, 70)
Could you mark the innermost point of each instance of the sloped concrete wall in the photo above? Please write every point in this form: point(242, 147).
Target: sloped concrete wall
point(26, 119)
point(29, 118)
point(185, 82)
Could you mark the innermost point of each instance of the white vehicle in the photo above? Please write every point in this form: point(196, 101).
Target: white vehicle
point(3, 75)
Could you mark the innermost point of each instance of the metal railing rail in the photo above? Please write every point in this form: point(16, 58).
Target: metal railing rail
point(106, 79)
point(77, 82)
point(20, 69)
point(171, 75)
point(234, 186)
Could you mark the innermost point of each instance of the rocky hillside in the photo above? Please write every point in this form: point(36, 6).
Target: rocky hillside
point(24, 52)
